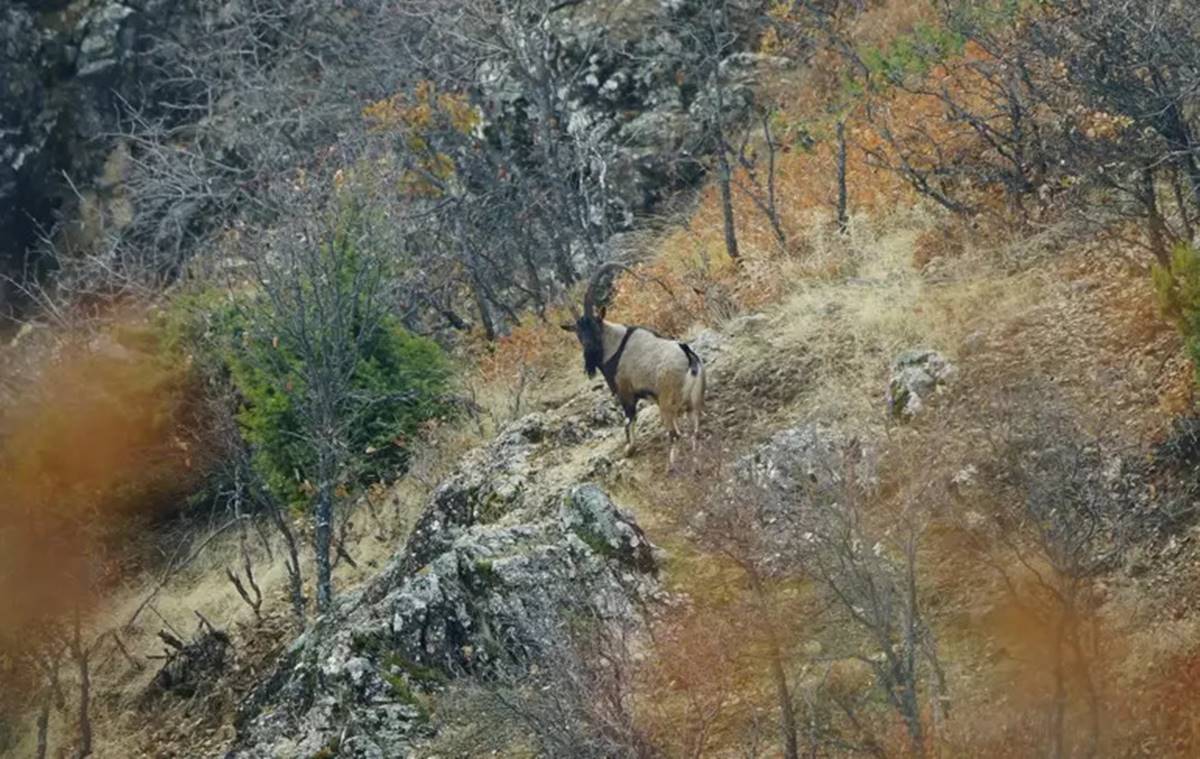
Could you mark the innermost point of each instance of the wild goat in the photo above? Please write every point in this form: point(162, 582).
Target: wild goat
point(637, 363)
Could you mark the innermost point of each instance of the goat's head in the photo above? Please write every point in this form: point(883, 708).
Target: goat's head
point(589, 326)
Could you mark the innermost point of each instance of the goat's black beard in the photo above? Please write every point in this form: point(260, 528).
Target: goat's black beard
point(593, 358)
point(593, 351)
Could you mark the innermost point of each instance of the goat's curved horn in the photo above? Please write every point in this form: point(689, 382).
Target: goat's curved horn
point(589, 296)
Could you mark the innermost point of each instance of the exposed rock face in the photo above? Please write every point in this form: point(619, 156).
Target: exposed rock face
point(794, 460)
point(497, 481)
point(63, 71)
point(500, 559)
point(916, 376)
point(646, 101)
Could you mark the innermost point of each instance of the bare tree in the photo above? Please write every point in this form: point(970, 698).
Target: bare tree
point(1066, 523)
point(870, 572)
point(46, 660)
point(228, 101)
point(715, 40)
point(805, 505)
point(738, 524)
point(843, 216)
point(760, 188)
point(244, 493)
point(82, 655)
point(324, 296)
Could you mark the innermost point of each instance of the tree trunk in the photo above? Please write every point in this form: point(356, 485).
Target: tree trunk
point(1093, 697)
point(85, 690)
point(772, 208)
point(1185, 216)
point(843, 218)
point(43, 726)
point(725, 179)
point(913, 635)
point(1158, 242)
point(723, 147)
point(323, 533)
point(1058, 712)
point(912, 718)
point(292, 562)
point(485, 312)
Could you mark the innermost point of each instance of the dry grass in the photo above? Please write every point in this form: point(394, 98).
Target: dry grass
point(844, 307)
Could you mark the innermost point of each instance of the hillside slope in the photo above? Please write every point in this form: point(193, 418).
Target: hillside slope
point(1069, 343)
point(1030, 346)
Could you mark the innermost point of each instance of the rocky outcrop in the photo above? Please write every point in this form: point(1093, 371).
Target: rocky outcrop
point(498, 480)
point(794, 460)
point(502, 557)
point(917, 375)
point(645, 99)
point(65, 67)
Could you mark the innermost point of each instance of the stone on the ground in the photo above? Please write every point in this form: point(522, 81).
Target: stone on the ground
point(917, 375)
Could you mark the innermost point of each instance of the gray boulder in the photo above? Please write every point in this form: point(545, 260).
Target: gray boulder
point(917, 375)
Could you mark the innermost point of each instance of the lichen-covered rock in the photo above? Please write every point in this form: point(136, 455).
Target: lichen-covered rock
point(589, 514)
point(506, 551)
point(782, 489)
point(495, 481)
point(108, 39)
point(496, 592)
point(916, 376)
point(794, 460)
point(643, 99)
point(66, 72)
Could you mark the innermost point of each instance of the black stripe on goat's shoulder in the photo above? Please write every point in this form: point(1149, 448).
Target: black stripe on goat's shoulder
point(609, 368)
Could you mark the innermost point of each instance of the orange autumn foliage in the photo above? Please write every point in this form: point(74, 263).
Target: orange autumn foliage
point(417, 120)
point(94, 448)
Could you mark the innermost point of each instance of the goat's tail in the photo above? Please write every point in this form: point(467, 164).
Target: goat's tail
point(693, 383)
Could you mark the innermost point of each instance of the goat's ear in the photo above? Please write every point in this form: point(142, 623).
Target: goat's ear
point(568, 326)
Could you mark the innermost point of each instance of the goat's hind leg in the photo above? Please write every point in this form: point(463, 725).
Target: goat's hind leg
point(671, 423)
point(696, 440)
point(630, 422)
